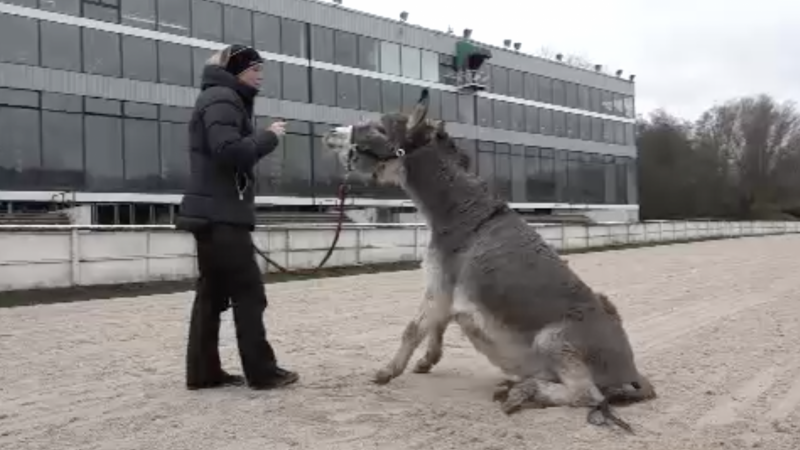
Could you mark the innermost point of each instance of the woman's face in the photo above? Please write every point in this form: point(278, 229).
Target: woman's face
point(253, 76)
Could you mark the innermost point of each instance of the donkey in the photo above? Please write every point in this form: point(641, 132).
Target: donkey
point(557, 341)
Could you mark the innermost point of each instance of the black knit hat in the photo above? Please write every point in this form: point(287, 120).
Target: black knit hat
point(240, 58)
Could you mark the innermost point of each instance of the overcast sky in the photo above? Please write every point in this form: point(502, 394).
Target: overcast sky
point(686, 54)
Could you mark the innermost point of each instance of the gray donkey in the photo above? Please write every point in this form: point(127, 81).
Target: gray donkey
point(558, 342)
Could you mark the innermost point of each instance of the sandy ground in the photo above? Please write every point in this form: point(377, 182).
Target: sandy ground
point(716, 325)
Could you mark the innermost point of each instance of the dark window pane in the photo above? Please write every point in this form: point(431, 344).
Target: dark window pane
point(369, 54)
point(207, 20)
point(295, 82)
point(327, 169)
point(466, 109)
point(516, 86)
point(559, 124)
point(71, 7)
point(518, 188)
point(594, 95)
point(561, 177)
point(630, 138)
point(544, 90)
point(271, 84)
point(392, 94)
point(297, 164)
point(586, 128)
point(142, 171)
point(199, 58)
point(103, 153)
point(19, 40)
point(238, 26)
point(411, 96)
point(485, 116)
point(499, 80)
point(621, 180)
point(323, 87)
point(546, 122)
point(583, 97)
point(502, 166)
point(435, 104)
point(531, 87)
point(28, 3)
point(606, 103)
point(293, 38)
point(559, 93)
point(139, 59)
point(573, 124)
point(532, 120)
point(502, 115)
point(346, 49)
point(390, 58)
point(20, 148)
point(322, 44)
point(370, 94)
point(140, 110)
point(267, 32)
point(517, 122)
point(103, 106)
point(347, 91)
point(174, 16)
point(175, 114)
point(571, 94)
point(174, 64)
point(411, 62)
point(608, 131)
point(101, 53)
point(619, 133)
point(62, 102)
point(139, 13)
point(597, 129)
point(449, 107)
point(62, 149)
point(486, 161)
point(619, 107)
point(174, 155)
point(628, 105)
point(107, 12)
point(61, 46)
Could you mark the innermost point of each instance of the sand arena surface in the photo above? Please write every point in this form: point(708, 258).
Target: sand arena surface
point(716, 325)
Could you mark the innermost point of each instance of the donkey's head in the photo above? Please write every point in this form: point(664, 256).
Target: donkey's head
point(376, 148)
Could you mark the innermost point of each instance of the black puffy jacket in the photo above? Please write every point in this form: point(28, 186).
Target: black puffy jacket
point(224, 149)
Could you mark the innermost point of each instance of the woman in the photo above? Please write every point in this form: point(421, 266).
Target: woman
point(218, 209)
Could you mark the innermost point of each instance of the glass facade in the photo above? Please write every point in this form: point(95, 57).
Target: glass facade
point(64, 142)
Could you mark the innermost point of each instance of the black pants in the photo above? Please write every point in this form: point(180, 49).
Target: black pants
point(229, 277)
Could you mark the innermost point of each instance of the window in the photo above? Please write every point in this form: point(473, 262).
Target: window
point(237, 26)
point(430, 66)
point(101, 53)
point(516, 86)
point(105, 10)
point(619, 107)
point(485, 115)
point(559, 124)
point(517, 121)
point(583, 97)
point(142, 171)
point(544, 90)
point(571, 94)
point(619, 133)
point(296, 158)
point(370, 94)
point(62, 148)
point(621, 179)
point(502, 115)
point(139, 13)
point(174, 64)
point(199, 57)
point(322, 44)
point(449, 107)
point(267, 32)
point(271, 84)
point(608, 131)
point(531, 87)
point(586, 128)
point(293, 38)
point(61, 46)
point(323, 87)
point(411, 62)
point(466, 108)
point(411, 96)
point(19, 40)
point(546, 122)
point(561, 176)
point(390, 58)
point(392, 95)
point(369, 54)
point(29, 3)
point(207, 20)
point(295, 83)
point(573, 126)
point(532, 120)
point(559, 93)
point(597, 129)
point(594, 96)
point(502, 167)
point(327, 170)
point(518, 174)
point(540, 171)
point(499, 80)
point(140, 110)
point(173, 16)
point(630, 137)
point(628, 106)
point(486, 161)
point(174, 140)
point(103, 106)
point(345, 49)
point(139, 59)
point(20, 148)
point(347, 91)
point(71, 7)
point(62, 102)
point(606, 102)
point(103, 153)
point(435, 104)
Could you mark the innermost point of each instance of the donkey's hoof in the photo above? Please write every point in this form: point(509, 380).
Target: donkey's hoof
point(423, 366)
point(383, 376)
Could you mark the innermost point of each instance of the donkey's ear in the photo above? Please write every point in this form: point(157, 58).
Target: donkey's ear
point(420, 111)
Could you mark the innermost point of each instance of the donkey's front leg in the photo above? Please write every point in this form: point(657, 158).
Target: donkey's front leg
point(433, 317)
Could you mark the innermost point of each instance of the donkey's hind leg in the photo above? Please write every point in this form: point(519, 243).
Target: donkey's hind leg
point(434, 352)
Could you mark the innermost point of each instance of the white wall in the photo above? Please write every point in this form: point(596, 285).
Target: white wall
point(58, 256)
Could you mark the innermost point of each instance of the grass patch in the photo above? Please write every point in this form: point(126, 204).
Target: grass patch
point(84, 293)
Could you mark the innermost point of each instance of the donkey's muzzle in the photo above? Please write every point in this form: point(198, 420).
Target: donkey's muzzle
point(338, 139)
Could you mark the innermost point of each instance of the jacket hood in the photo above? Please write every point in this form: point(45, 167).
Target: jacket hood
point(218, 76)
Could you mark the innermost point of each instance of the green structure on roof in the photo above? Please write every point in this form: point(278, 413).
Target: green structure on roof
point(470, 56)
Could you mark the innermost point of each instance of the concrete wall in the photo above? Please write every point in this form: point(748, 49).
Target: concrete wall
point(60, 256)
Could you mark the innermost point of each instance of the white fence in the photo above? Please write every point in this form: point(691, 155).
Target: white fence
point(60, 256)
